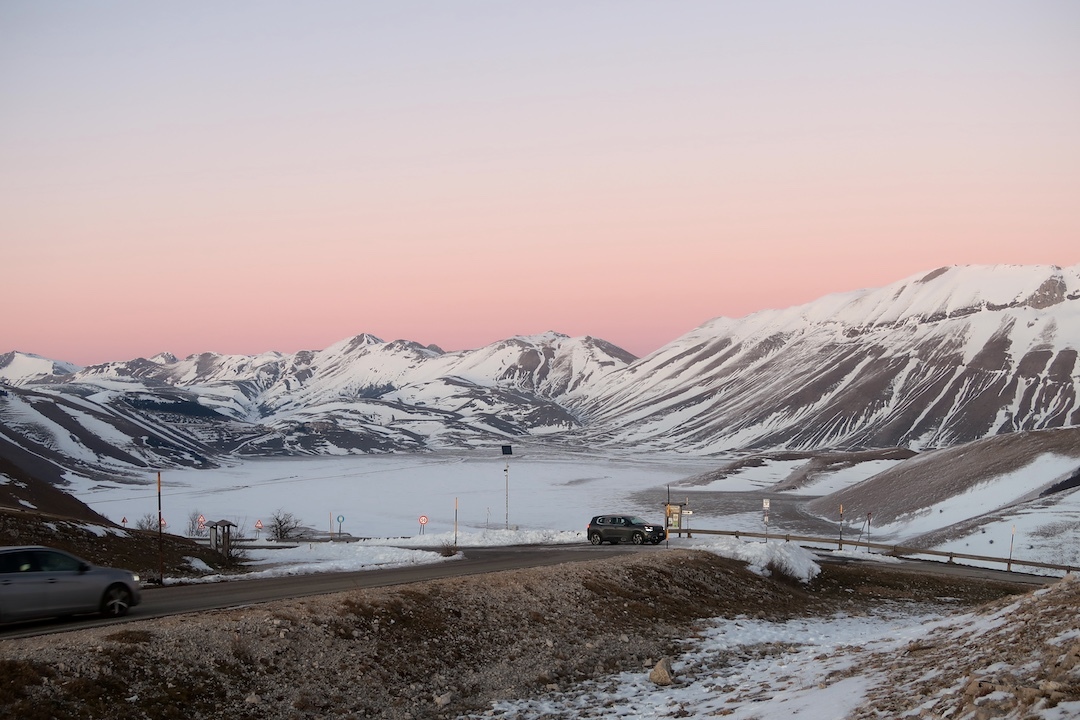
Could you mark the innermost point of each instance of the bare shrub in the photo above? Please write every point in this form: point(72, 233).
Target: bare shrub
point(149, 521)
point(283, 525)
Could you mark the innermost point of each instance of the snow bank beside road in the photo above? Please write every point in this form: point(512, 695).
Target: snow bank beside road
point(762, 557)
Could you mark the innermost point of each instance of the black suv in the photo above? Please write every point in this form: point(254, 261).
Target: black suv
point(616, 528)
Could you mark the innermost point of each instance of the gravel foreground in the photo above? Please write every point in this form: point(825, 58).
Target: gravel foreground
point(447, 648)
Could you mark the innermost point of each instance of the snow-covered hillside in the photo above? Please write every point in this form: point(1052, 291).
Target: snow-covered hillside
point(946, 357)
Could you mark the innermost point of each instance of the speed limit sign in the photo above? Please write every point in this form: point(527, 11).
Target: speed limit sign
point(423, 519)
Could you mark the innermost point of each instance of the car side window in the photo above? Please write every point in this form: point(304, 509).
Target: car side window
point(56, 562)
point(16, 562)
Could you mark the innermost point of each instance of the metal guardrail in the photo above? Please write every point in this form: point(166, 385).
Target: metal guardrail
point(897, 550)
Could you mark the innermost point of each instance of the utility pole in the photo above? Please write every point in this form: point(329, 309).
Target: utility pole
point(161, 552)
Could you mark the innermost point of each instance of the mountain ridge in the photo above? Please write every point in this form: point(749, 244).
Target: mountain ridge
point(937, 359)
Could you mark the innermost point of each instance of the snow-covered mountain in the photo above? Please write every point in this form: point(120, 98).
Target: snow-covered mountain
point(359, 395)
point(20, 368)
point(938, 359)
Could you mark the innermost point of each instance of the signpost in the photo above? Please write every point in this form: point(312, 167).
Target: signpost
point(686, 514)
point(507, 450)
point(423, 522)
point(673, 516)
point(340, 519)
point(765, 511)
point(841, 526)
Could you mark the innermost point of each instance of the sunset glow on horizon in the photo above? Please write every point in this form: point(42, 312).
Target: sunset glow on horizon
point(244, 177)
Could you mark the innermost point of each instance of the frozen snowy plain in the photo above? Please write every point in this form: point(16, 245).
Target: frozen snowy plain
point(548, 497)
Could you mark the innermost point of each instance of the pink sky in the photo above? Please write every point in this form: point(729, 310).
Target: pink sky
point(273, 176)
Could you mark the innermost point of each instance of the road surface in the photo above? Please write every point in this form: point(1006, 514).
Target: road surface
point(178, 599)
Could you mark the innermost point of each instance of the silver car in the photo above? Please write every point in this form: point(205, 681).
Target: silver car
point(41, 582)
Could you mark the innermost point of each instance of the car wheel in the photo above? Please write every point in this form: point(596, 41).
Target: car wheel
point(596, 539)
point(638, 538)
point(116, 602)
point(657, 541)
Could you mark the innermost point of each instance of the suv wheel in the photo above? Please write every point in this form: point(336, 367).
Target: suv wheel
point(638, 539)
point(596, 539)
point(116, 602)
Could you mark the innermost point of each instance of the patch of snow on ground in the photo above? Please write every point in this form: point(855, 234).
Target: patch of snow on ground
point(317, 557)
point(199, 565)
point(102, 531)
point(837, 480)
point(744, 669)
point(755, 478)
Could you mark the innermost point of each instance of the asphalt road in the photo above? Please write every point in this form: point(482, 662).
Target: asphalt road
point(177, 599)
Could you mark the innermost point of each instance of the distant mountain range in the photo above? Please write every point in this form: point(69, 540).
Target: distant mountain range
point(938, 359)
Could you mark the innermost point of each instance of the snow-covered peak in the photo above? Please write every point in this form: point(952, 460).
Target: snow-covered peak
point(961, 290)
point(946, 292)
point(18, 368)
point(357, 342)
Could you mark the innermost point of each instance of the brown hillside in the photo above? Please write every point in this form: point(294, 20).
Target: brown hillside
point(934, 476)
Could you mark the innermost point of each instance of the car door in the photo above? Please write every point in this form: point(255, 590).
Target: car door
point(621, 530)
point(21, 586)
point(68, 587)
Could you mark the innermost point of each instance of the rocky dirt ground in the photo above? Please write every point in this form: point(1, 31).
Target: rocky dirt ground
point(430, 650)
point(1016, 657)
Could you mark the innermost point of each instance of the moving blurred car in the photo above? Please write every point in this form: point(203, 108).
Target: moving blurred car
point(616, 528)
point(40, 582)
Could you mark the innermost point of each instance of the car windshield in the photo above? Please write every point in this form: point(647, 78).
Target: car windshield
point(637, 521)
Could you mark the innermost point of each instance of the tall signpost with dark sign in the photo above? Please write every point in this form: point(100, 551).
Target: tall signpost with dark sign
point(507, 450)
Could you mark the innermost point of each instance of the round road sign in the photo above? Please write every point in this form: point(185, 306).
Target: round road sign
point(423, 519)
